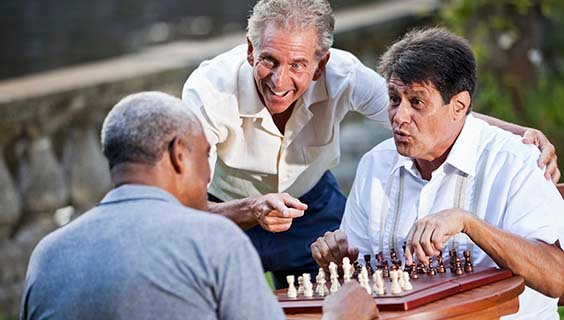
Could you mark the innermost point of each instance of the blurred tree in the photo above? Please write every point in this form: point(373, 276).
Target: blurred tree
point(519, 45)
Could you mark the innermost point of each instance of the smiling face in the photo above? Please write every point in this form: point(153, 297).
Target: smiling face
point(424, 127)
point(284, 66)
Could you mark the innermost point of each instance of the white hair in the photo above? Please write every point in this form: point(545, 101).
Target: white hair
point(293, 15)
point(140, 127)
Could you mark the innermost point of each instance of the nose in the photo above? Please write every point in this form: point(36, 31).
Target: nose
point(402, 113)
point(279, 76)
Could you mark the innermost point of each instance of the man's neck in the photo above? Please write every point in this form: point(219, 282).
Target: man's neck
point(280, 119)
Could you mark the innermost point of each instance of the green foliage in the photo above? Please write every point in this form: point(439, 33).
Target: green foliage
point(519, 47)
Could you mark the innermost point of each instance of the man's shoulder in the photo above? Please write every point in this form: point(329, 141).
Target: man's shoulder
point(380, 159)
point(218, 75)
point(502, 143)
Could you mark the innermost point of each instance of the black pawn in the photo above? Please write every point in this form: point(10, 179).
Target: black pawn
point(413, 274)
point(368, 265)
point(441, 265)
point(430, 269)
point(468, 267)
point(420, 268)
point(385, 270)
point(458, 267)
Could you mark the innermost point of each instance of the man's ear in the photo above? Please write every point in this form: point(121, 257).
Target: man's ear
point(461, 102)
point(176, 153)
point(321, 66)
point(250, 51)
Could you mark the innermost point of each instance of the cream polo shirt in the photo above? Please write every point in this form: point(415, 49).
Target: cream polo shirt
point(249, 155)
point(488, 172)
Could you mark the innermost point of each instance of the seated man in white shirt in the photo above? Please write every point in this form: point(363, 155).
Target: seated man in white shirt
point(448, 180)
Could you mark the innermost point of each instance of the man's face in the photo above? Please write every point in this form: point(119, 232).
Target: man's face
point(422, 124)
point(284, 66)
point(197, 174)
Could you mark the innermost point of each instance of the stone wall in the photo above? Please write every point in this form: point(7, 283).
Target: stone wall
point(51, 166)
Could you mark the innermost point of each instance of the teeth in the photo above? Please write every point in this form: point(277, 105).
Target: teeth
point(279, 93)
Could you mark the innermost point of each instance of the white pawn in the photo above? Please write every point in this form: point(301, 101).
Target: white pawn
point(321, 288)
point(378, 283)
point(300, 285)
point(363, 279)
point(333, 270)
point(395, 287)
point(347, 269)
point(308, 286)
point(406, 284)
point(292, 292)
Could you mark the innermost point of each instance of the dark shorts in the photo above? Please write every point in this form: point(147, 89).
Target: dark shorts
point(289, 252)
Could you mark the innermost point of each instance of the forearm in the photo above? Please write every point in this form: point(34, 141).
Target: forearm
point(511, 127)
point(528, 258)
point(239, 211)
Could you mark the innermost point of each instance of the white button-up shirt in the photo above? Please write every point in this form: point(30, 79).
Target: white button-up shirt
point(488, 172)
point(249, 155)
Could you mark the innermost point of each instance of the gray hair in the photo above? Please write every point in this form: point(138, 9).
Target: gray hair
point(140, 127)
point(293, 15)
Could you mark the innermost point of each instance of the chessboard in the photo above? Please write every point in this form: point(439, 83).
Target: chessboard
point(426, 287)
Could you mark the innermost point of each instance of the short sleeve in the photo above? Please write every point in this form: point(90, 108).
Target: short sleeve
point(535, 209)
point(243, 290)
point(370, 95)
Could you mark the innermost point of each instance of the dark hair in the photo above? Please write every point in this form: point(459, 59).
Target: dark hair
point(435, 56)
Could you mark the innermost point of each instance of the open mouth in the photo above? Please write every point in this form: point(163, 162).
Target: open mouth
point(280, 94)
point(401, 135)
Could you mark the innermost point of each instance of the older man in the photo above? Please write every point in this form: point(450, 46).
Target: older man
point(271, 111)
point(450, 181)
point(140, 253)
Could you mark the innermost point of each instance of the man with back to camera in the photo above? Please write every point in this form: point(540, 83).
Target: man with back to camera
point(448, 180)
point(147, 251)
point(271, 111)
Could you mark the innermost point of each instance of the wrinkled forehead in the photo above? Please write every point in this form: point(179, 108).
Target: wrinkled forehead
point(425, 88)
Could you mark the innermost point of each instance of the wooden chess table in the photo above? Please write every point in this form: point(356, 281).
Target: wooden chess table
point(487, 292)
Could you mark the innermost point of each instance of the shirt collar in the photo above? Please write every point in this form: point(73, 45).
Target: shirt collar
point(128, 192)
point(463, 154)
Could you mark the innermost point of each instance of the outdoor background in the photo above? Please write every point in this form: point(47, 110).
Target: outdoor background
point(64, 63)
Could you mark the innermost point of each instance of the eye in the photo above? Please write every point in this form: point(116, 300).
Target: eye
point(416, 103)
point(267, 62)
point(297, 66)
point(394, 100)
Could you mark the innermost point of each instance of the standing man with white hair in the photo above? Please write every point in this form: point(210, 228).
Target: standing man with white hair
point(271, 111)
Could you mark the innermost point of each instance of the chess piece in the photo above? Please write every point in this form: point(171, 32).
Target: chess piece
point(308, 286)
point(378, 283)
point(406, 286)
point(347, 269)
point(430, 269)
point(380, 261)
point(458, 267)
point(420, 268)
point(292, 292)
point(385, 270)
point(395, 287)
point(441, 265)
point(452, 259)
point(363, 279)
point(321, 288)
point(300, 285)
point(468, 267)
point(368, 265)
point(335, 285)
point(356, 270)
point(413, 273)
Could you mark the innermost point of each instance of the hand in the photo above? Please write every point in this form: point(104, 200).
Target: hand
point(428, 235)
point(333, 246)
point(548, 153)
point(350, 302)
point(275, 211)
